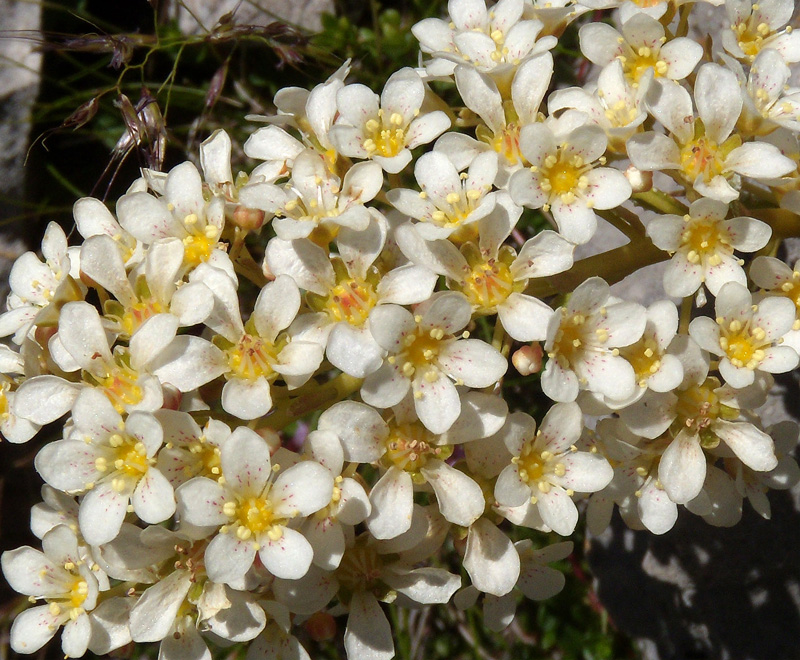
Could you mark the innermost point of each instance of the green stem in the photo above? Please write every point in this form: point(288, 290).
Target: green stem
point(686, 315)
point(623, 220)
point(658, 200)
point(784, 223)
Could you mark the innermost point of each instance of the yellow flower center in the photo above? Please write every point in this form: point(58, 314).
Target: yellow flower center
point(488, 285)
point(252, 357)
point(698, 407)
point(534, 466)
point(73, 599)
point(742, 343)
point(351, 300)
point(420, 351)
point(125, 464)
point(701, 156)
point(410, 446)
point(645, 358)
point(120, 382)
point(574, 337)
point(563, 176)
point(200, 242)
point(385, 136)
point(636, 62)
point(253, 515)
point(459, 206)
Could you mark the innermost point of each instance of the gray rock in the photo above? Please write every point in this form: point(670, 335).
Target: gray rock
point(195, 16)
point(19, 86)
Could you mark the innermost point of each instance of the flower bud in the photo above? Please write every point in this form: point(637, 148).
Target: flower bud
point(528, 359)
point(247, 218)
point(321, 627)
point(640, 181)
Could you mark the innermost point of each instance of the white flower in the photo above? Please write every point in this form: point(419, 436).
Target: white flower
point(564, 179)
point(501, 120)
point(700, 414)
point(125, 374)
point(35, 284)
point(493, 40)
point(747, 337)
point(311, 113)
point(253, 512)
point(769, 100)
point(154, 287)
point(343, 289)
point(315, 198)
point(415, 459)
point(536, 580)
point(369, 571)
point(328, 528)
point(755, 26)
point(641, 46)
point(66, 583)
point(113, 462)
point(386, 130)
point(777, 279)
point(581, 341)
point(702, 243)
point(655, 367)
point(251, 356)
point(424, 355)
point(493, 276)
point(449, 203)
point(181, 212)
point(546, 468)
point(702, 149)
point(615, 105)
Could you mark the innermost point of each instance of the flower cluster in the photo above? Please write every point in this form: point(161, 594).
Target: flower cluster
point(182, 505)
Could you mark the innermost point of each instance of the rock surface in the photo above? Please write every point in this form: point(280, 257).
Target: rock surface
point(200, 15)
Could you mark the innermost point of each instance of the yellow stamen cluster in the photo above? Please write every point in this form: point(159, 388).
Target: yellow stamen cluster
point(386, 136)
point(251, 516)
point(200, 242)
point(705, 240)
point(459, 206)
point(420, 352)
point(72, 600)
point(751, 36)
point(253, 357)
point(791, 290)
point(535, 466)
point(698, 407)
point(703, 157)
point(563, 176)
point(488, 285)
point(410, 447)
point(636, 62)
point(120, 382)
point(575, 336)
point(126, 463)
point(742, 342)
point(645, 358)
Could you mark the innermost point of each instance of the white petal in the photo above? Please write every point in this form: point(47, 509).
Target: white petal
point(289, 557)
point(368, 634)
point(491, 560)
point(558, 511)
point(460, 499)
point(392, 504)
point(682, 469)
